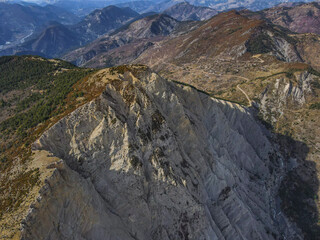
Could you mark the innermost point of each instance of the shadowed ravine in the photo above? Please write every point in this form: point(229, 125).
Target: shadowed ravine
point(299, 189)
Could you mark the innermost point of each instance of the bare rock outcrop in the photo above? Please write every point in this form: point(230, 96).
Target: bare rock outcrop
point(275, 98)
point(151, 159)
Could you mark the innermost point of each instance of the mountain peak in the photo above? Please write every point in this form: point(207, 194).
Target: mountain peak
point(170, 151)
point(105, 20)
point(184, 11)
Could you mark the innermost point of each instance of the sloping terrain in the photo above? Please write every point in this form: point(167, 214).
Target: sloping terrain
point(287, 99)
point(54, 41)
point(153, 159)
point(248, 68)
point(302, 18)
point(226, 46)
point(308, 47)
point(229, 35)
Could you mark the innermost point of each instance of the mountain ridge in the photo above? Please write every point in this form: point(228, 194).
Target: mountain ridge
point(141, 92)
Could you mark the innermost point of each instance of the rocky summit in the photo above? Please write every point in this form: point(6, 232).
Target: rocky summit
point(154, 159)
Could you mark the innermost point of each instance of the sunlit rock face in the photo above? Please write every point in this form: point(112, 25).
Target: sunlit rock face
point(152, 159)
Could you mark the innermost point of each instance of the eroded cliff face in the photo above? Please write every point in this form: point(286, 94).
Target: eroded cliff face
point(150, 159)
point(276, 97)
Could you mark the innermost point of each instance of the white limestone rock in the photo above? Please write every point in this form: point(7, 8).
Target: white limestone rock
point(275, 98)
point(150, 159)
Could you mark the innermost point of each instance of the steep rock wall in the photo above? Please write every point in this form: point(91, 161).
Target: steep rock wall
point(150, 159)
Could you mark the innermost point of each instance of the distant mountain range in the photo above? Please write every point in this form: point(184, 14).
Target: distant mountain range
point(138, 6)
point(82, 8)
point(221, 5)
point(57, 38)
point(180, 10)
point(18, 22)
point(128, 43)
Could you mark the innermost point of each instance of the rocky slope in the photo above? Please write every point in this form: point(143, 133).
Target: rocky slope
point(288, 100)
point(150, 159)
point(286, 94)
point(300, 18)
point(185, 11)
point(173, 147)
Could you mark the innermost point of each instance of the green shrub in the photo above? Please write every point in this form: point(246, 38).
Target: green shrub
point(315, 106)
point(54, 78)
point(260, 44)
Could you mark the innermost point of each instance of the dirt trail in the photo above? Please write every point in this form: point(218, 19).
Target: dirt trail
point(249, 100)
point(258, 56)
point(244, 78)
point(238, 87)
